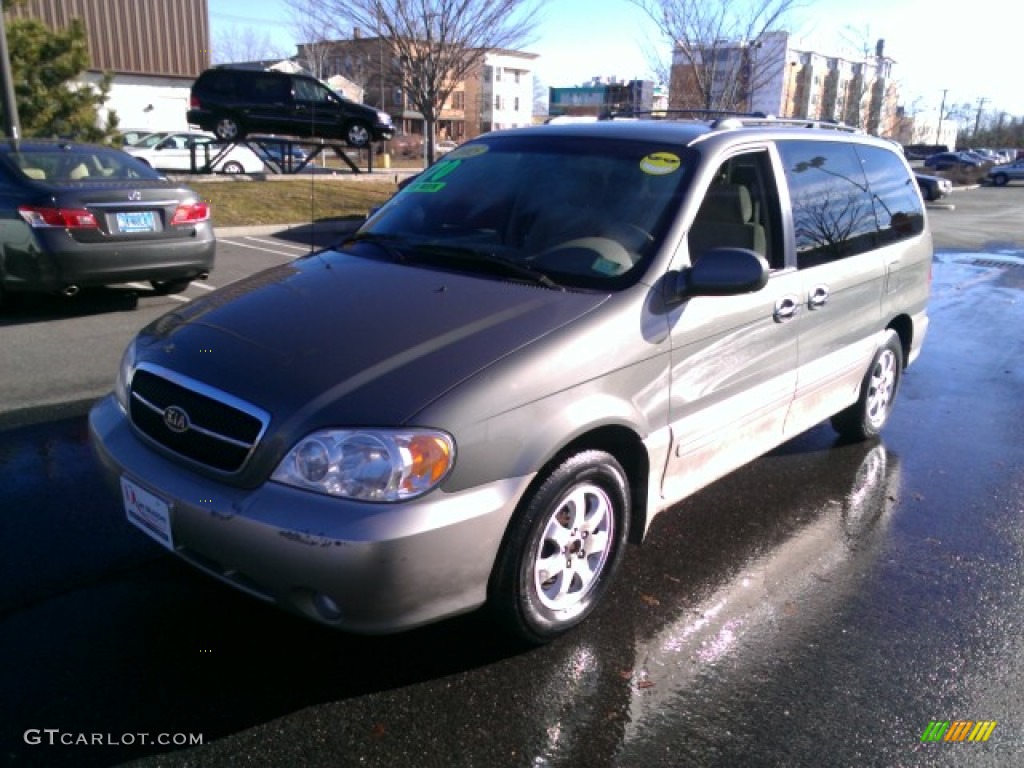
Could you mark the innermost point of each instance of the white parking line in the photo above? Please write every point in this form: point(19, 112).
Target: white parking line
point(203, 286)
point(304, 247)
point(176, 296)
point(241, 244)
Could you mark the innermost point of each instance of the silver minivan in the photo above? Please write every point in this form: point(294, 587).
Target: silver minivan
point(549, 337)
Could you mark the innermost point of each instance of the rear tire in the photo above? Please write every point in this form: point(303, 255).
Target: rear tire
point(167, 287)
point(228, 129)
point(562, 548)
point(1000, 179)
point(232, 167)
point(865, 418)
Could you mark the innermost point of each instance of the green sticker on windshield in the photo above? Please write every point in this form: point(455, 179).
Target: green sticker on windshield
point(470, 150)
point(430, 179)
point(660, 164)
point(427, 186)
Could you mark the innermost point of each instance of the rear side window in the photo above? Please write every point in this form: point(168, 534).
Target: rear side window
point(218, 81)
point(848, 199)
point(833, 209)
point(898, 208)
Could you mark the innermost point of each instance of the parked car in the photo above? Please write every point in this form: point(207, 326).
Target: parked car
point(933, 187)
point(233, 103)
point(1001, 175)
point(185, 151)
point(552, 335)
point(284, 155)
point(130, 136)
point(79, 215)
point(406, 145)
point(445, 146)
point(942, 161)
point(922, 151)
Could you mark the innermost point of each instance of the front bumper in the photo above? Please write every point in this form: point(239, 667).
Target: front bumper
point(384, 567)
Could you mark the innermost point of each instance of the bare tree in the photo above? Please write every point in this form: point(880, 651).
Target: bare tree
point(717, 43)
point(244, 44)
point(433, 45)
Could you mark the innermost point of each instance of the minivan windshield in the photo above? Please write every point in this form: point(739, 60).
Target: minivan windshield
point(576, 212)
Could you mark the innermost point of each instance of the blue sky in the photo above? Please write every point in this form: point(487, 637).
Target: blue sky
point(935, 47)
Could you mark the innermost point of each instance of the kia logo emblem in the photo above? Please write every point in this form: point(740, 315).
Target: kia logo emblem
point(135, 195)
point(176, 419)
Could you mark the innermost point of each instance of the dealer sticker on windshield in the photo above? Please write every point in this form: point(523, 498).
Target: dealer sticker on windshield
point(660, 163)
point(150, 513)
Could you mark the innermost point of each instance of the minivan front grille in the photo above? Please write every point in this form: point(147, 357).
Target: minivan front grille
point(193, 420)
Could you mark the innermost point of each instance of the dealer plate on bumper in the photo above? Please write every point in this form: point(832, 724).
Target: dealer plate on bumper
point(150, 513)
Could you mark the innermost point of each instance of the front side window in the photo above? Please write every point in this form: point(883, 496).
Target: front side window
point(579, 212)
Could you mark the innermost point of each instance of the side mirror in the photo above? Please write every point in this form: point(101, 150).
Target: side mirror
point(722, 272)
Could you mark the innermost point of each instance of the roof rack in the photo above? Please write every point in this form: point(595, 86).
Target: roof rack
point(667, 114)
point(723, 119)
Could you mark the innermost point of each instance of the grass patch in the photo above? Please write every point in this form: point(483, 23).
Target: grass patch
point(290, 201)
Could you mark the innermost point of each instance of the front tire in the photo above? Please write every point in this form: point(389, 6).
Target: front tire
point(561, 549)
point(1000, 179)
point(357, 134)
point(232, 167)
point(865, 418)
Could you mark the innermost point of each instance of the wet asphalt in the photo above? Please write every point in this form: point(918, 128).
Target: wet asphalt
point(819, 607)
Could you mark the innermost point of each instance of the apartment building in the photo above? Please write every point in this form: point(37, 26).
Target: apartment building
point(154, 50)
point(776, 76)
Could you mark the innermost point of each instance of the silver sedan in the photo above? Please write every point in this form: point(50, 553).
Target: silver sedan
point(1004, 174)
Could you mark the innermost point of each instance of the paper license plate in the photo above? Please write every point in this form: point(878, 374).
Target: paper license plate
point(137, 221)
point(150, 513)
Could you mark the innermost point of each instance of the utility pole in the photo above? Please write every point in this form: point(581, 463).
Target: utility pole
point(942, 114)
point(9, 102)
point(977, 117)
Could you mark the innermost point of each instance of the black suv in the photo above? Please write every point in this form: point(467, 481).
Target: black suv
point(235, 102)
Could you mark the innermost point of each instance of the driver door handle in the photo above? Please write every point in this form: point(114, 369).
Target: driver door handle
point(818, 297)
point(786, 307)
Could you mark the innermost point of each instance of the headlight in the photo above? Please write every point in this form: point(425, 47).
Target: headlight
point(124, 375)
point(369, 465)
point(384, 117)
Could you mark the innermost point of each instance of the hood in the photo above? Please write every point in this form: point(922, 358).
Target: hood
point(333, 339)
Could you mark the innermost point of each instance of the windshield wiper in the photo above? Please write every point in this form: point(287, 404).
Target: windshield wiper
point(470, 257)
point(385, 243)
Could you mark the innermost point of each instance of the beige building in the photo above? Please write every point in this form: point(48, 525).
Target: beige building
point(778, 77)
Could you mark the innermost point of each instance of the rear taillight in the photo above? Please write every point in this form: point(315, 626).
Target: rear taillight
point(193, 102)
point(63, 218)
point(192, 213)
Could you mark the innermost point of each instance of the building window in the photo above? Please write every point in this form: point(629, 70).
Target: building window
point(516, 103)
point(497, 101)
point(517, 75)
point(459, 100)
point(497, 74)
point(396, 97)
